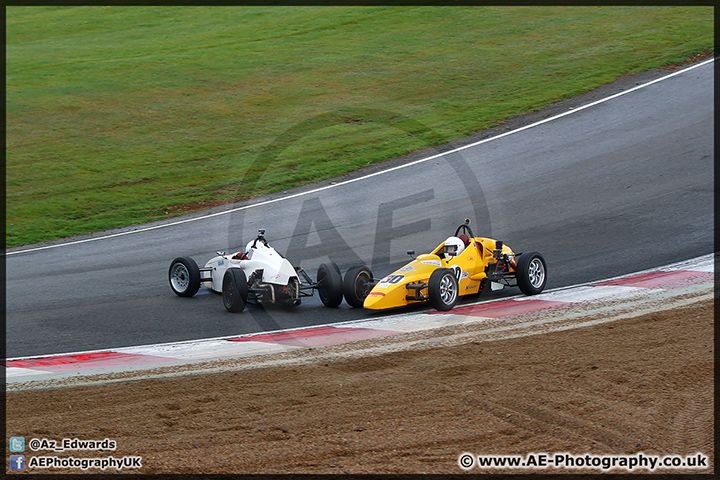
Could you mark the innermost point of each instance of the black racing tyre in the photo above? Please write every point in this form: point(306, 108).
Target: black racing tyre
point(443, 289)
point(234, 290)
point(329, 284)
point(357, 285)
point(531, 273)
point(184, 277)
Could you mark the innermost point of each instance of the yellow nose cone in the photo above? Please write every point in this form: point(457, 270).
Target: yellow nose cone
point(375, 301)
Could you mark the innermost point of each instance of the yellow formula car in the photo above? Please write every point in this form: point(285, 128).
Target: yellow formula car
point(461, 265)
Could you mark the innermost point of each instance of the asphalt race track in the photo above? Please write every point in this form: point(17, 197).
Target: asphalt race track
point(620, 186)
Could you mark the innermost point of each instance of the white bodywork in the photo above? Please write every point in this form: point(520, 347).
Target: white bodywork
point(276, 268)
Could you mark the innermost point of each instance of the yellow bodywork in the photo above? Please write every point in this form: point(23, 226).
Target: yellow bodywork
point(469, 267)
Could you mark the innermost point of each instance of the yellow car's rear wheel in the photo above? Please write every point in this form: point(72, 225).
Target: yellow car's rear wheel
point(531, 273)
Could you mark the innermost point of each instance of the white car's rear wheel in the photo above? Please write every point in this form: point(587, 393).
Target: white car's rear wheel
point(329, 284)
point(234, 290)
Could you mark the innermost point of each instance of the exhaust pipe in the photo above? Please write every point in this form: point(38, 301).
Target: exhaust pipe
point(296, 302)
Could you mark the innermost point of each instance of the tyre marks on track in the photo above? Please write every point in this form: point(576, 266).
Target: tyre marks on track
point(549, 422)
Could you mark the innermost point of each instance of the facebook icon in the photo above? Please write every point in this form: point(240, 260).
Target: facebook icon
point(17, 462)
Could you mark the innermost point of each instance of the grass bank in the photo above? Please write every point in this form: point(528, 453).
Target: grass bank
point(123, 115)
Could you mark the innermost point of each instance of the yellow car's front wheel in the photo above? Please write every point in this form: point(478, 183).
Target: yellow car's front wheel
point(443, 289)
point(357, 284)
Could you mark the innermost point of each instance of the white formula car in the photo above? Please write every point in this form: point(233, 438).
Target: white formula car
point(257, 275)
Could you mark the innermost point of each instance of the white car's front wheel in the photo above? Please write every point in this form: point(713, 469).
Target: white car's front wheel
point(184, 277)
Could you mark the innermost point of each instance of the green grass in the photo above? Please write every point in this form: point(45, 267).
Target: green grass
point(117, 115)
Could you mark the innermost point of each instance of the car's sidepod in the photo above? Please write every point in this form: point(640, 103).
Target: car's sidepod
point(392, 290)
point(276, 268)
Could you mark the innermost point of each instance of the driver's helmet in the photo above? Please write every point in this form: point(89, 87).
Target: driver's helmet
point(454, 246)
